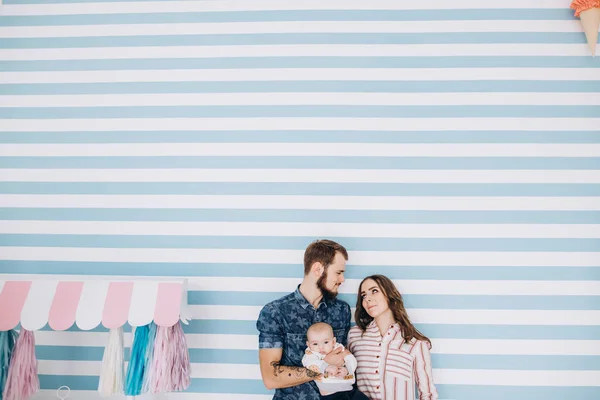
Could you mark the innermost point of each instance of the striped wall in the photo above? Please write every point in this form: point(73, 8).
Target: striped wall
point(453, 145)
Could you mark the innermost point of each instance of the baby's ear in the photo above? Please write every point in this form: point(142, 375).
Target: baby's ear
point(334, 340)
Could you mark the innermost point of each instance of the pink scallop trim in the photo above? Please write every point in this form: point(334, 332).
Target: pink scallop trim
point(12, 300)
point(64, 306)
point(168, 304)
point(116, 307)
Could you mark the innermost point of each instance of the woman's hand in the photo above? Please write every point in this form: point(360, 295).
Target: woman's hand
point(336, 357)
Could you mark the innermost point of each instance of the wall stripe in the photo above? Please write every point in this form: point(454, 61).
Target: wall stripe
point(580, 62)
point(289, 39)
point(270, 256)
point(462, 272)
point(262, 229)
point(268, 27)
point(332, 204)
point(212, 286)
point(452, 145)
point(296, 50)
point(460, 88)
point(296, 164)
point(291, 175)
point(322, 216)
point(316, 136)
point(433, 77)
point(184, 6)
point(275, 124)
point(305, 149)
point(299, 99)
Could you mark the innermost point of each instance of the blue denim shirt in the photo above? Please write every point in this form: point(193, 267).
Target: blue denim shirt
point(282, 324)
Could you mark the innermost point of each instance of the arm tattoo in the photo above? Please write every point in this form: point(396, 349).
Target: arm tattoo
point(277, 368)
point(299, 372)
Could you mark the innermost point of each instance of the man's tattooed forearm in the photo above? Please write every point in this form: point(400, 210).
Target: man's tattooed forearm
point(298, 372)
point(277, 368)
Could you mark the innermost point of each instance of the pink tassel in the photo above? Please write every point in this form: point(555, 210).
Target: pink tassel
point(180, 378)
point(171, 362)
point(160, 370)
point(22, 381)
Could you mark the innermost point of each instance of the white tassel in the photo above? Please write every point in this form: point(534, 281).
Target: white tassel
point(112, 373)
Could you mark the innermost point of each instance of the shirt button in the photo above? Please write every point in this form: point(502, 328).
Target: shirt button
point(377, 388)
point(377, 356)
point(376, 371)
point(380, 344)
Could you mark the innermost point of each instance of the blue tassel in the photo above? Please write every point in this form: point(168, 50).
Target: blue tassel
point(135, 369)
point(7, 345)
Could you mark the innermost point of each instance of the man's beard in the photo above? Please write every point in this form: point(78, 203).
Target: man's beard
point(327, 294)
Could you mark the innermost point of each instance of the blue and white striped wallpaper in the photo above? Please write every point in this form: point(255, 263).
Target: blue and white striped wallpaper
point(452, 145)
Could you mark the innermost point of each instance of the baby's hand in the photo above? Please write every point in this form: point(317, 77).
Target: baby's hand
point(331, 370)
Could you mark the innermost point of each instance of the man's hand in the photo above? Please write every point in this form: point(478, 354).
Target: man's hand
point(315, 369)
point(336, 357)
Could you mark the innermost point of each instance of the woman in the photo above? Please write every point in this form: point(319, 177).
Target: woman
point(392, 354)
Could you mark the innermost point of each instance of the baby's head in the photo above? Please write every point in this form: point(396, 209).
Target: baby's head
point(320, 338)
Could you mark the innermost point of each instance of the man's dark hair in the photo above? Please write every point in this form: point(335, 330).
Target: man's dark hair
point(322, 251)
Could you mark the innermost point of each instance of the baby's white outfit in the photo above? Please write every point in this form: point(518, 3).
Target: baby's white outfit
point(316, 358)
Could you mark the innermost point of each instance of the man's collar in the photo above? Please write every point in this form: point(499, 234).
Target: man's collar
point(304, 303)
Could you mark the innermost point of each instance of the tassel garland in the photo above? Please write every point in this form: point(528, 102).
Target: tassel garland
point(22, 381)
point(112, 371)
point(159, 362)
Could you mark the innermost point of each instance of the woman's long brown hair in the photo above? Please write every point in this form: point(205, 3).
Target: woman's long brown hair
point(396, 304)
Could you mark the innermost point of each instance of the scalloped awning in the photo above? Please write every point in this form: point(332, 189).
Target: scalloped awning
point(112, 303)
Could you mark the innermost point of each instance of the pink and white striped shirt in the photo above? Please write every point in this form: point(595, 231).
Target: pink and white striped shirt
point(389, 367)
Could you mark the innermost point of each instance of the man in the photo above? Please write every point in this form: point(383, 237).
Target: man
point(282, 324)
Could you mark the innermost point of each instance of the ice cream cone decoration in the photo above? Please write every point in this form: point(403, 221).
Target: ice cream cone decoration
point(588, 12)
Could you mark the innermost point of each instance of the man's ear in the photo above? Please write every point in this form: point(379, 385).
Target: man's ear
point(317, 269)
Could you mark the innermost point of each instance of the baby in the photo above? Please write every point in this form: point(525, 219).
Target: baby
point(320, 342)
